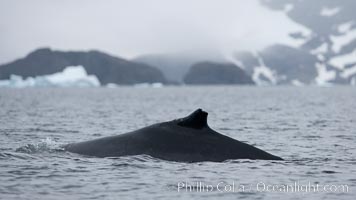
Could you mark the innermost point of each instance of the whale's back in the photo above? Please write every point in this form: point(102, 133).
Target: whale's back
point(188, 139)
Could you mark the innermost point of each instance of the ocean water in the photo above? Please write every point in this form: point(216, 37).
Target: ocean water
point(312, 128)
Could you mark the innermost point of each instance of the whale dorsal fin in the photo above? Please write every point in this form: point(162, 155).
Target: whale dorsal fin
point(196, 120)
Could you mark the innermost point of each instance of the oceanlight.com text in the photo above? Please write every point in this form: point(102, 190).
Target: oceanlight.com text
point(294, 187)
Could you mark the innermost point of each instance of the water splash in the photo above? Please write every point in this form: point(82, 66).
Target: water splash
point(45, 145)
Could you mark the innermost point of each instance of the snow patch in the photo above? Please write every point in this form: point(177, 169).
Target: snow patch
point(322, 49)
point(263, 70)
point(288, 7)
point(296, 82)
point(340, 41)
point(342, 60)
point(321, 57)
point(345, 27)
point(71, 76)
point(324, 76)
point(329, 12)
point(348, 72)
point(238, 63)
point(298, 42)
point(231, 58)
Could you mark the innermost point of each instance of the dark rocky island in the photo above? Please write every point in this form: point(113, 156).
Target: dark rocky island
point(176, 65)
point(216, 73)
point(107, 68)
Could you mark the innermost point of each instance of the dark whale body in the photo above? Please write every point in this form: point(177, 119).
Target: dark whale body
point(188, 139)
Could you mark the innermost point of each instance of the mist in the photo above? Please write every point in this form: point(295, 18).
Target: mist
point(129, 28)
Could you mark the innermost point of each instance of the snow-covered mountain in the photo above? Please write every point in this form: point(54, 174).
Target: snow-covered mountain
point(326, 56)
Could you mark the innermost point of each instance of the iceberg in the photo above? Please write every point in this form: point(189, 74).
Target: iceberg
point(71, 76)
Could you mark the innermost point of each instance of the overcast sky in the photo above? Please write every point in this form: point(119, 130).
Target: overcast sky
point(128, 28)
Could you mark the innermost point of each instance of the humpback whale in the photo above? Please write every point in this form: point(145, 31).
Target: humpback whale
point(187, 139)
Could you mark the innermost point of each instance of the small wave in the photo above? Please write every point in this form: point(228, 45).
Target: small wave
point(312, 137)
point(45, 130)
point(328, 172)
point(139, 158)
point(14, 155)
point(137, 161)
point(240, 161)
point(46, 145)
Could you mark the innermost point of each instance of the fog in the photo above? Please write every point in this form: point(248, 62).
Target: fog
point(129, 28)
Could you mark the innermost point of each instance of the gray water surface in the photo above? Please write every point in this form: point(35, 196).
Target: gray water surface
point(312, 128)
